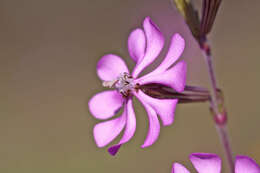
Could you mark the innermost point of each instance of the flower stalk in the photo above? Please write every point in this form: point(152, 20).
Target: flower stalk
point(217, 106)
point(224, 137)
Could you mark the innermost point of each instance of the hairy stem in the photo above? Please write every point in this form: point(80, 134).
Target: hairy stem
point(217, 106)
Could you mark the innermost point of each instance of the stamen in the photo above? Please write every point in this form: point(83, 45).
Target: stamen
point(124, 84)
point(109, 84)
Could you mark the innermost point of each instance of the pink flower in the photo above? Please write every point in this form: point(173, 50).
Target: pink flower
point(144, 46)
point(211, 163)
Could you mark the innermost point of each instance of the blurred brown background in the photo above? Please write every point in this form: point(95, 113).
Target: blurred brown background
point(48, 55)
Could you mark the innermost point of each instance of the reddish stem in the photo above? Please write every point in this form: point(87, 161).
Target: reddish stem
point(217, 106)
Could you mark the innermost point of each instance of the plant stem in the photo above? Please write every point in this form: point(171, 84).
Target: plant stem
point(217, 106)
point(214, 92)
point(223, 134)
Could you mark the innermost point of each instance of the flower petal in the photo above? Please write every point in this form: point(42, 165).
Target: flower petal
point(154, 126)
point(155, 42)
point(129, 129)
point(114, 149)
point(107, 131)
point(175, 77)
point(174, 52)
point(105, 104)
point(206, 163)
point(130, 123)
point(136, 44)
point(178, 168)
point(245, 164)
point(164, 107)
point(110, 66)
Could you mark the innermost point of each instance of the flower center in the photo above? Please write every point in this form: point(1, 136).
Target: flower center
point(124, 84)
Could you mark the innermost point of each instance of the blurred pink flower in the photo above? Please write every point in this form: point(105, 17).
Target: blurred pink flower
point(144, 46)
point(211, 163)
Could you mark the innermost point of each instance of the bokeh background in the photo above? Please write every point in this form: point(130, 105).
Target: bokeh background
point(48, 55)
